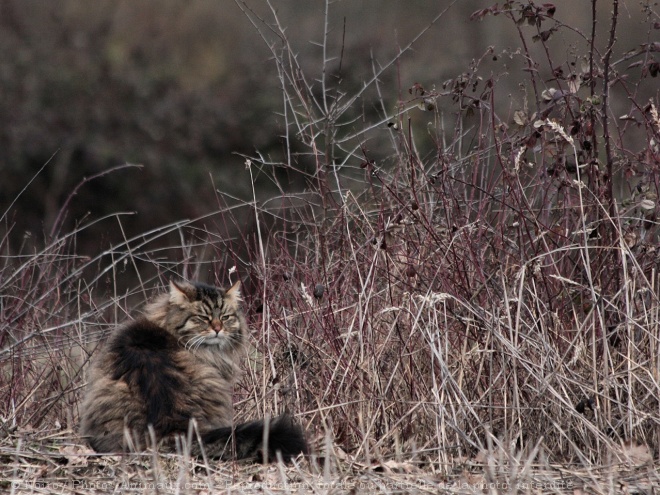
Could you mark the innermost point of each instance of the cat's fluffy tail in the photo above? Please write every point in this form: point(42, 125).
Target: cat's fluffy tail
point(248, 441)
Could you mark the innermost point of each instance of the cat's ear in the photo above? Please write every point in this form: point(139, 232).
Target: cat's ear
point(233, 295)
point(181, 293)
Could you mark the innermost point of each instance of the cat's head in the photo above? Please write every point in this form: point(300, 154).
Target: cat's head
point(201, 315)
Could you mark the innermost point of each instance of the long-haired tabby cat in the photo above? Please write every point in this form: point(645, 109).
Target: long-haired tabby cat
point(176, 364)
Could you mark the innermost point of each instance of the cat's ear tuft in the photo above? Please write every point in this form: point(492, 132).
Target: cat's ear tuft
point(181, 293)
point(233, 295)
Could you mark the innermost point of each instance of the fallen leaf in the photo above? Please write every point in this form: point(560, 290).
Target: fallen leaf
point(76, 455)
point(635, 454)
point(393, 466)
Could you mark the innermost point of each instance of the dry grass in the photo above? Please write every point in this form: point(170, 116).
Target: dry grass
point(49, 462)
point(480, 316)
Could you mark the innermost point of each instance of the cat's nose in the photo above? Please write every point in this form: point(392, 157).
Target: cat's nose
point(216, 325)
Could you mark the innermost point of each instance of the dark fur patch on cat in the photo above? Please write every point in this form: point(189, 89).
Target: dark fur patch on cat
point(247, 440)
point(144, 357)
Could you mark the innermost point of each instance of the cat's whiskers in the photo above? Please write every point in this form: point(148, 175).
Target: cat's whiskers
point(194, 342)
point(200, 340)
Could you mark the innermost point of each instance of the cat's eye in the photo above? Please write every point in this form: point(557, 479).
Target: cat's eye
point(227, 317)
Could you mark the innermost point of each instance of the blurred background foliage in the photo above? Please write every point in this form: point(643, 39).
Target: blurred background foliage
point(184, 88)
